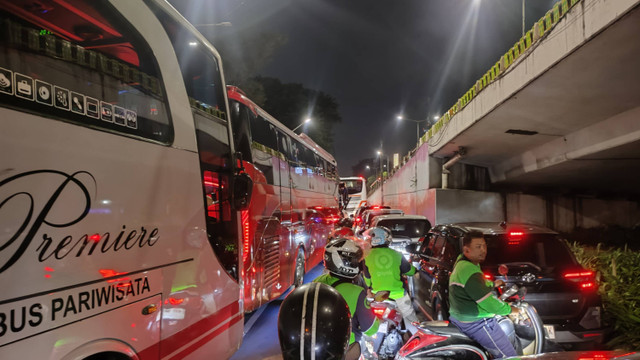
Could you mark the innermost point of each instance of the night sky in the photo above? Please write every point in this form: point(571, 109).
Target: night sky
point(377, 58)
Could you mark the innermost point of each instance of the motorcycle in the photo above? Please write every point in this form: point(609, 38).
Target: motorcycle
point(391, 334)
point(442, 340)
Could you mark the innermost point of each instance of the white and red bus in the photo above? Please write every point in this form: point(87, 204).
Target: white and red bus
point(120, 197)
point(293, 205)
point(357, 192)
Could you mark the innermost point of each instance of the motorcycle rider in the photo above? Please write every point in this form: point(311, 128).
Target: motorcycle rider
point(343, 257)
point(473, 306)
point(313, 323)
point(383, 270)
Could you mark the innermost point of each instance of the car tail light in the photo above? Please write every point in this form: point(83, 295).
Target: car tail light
point(595, 355)
point(514, 237)
point(585, 279)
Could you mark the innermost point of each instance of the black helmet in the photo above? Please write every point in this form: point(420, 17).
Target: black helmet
point(342, 257)
point(314, 318)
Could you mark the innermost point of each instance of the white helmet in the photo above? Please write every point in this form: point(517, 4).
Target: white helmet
point(342, 257)
point(378, 236)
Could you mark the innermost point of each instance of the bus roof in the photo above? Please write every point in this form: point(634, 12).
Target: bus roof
point(237, 94)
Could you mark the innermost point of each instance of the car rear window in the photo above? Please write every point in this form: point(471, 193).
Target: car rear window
point(543, 250)
point(406, 227)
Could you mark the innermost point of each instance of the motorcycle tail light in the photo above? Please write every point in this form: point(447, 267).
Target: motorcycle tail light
point(379, 312)
point(420, 341)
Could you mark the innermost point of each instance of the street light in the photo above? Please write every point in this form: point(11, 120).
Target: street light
point(400, 118)
point(304, 122)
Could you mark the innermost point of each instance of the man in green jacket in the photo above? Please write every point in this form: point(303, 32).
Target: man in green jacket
point(383, 270)
point(473, 306)
point(342, 257)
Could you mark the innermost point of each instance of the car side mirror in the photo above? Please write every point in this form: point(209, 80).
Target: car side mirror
point(242, 189)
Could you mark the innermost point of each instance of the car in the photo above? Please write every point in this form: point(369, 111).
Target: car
point(369, 215)
point(563, 292)
point(357, 216)
point(405, 229)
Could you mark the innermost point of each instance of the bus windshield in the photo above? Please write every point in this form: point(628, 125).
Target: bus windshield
point(353, 186)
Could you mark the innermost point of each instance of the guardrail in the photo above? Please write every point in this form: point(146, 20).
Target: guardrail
point(537, 32)
point(541, 28)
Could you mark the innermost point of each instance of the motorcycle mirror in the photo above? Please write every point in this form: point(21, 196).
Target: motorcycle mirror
point(503, 270)
point(381, 296)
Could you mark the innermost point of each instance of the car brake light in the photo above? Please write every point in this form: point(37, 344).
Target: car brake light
point(377, 207)
point(514, 237)
point(585, 279)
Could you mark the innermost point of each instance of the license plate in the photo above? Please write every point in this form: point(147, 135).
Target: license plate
point(382, 328)
point(173, 313)
point(550, 332)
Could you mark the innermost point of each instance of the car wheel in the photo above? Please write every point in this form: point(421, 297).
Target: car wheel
point(299, 272)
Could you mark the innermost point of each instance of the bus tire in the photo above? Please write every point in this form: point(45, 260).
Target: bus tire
point(298, 277)
point(111, 355)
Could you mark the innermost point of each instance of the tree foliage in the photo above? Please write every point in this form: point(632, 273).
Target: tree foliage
point(618, 271)
point(245, 55)
point(292, 103)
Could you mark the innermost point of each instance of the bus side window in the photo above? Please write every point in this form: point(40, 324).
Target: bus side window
point(105, 77)
point(264, 144)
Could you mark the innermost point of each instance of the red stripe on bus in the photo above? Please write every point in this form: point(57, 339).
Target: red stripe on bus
point(179, 339)
point(206, 339)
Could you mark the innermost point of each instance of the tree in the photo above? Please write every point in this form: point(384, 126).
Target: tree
point(292, 103)
point(246, 54)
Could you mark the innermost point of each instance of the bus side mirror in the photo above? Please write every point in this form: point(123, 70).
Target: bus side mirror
point(242, 188)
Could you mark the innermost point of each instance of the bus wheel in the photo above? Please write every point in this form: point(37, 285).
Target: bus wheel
point(299, 274)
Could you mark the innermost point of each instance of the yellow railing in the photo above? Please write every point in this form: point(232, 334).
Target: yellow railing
point(540, 28)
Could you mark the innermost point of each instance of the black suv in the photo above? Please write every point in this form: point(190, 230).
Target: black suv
point(564, 293)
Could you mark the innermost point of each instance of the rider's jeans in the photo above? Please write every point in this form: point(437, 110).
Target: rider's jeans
point(408, 314)
point(487, 333)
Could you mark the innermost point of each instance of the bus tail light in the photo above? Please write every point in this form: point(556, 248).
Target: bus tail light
point(245, 235)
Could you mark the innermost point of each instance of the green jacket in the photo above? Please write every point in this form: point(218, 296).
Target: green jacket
point(362, 318)
point(470, 295)
point(384, 268)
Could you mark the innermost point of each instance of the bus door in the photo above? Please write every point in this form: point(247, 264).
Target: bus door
point(286, 250)
point(206, 96)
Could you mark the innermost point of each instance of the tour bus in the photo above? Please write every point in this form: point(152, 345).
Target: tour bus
point(357, 189)
point(293, 206)
point(120, 189)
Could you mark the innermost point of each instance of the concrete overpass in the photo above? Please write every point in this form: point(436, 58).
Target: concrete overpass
point(558, 115)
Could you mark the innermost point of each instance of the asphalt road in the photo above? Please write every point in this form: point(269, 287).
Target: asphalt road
point(261, 328)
